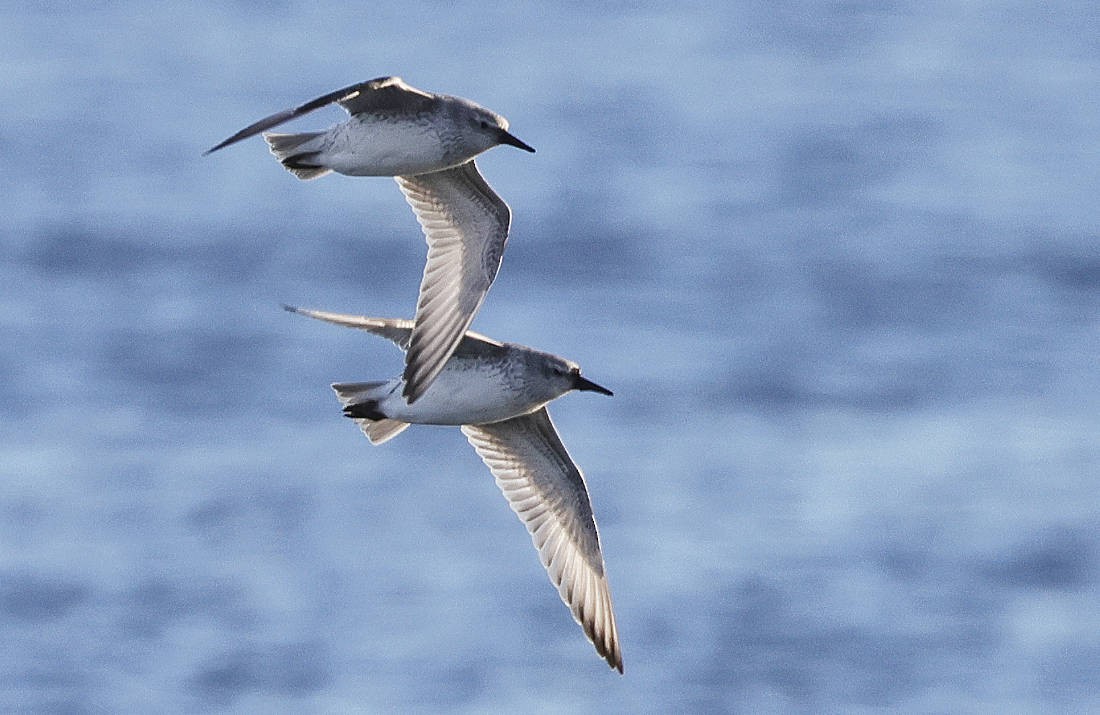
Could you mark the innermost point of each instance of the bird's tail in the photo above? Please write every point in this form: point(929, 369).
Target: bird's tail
point(360, 401)
point(299, 153)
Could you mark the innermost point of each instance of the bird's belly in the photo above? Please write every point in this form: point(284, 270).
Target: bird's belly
point(385, 148)
point(461, 404)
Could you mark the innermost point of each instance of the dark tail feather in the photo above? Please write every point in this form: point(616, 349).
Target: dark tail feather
point(364, 411)
point(299, 165)
point(298, 153)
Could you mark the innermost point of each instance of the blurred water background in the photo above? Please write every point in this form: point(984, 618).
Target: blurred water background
point(837, 260)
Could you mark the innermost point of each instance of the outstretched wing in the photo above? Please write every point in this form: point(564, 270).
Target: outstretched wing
point(393, 329)
point(546, 490)
point(466, 226)
point(396, 330)
point(383, 94)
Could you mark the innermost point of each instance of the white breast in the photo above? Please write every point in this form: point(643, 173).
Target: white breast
point(466, 392)
point(390, 147)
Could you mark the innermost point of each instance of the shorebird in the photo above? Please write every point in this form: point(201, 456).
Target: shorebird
point(428, 143)
point(498, 392)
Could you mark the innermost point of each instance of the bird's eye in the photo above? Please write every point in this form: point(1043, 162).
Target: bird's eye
point(484, 124)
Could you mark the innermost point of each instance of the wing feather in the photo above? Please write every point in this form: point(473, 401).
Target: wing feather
point(380, 95)
point(393, 329)
point(527, 458)
point(396, 330)
point(466, 226)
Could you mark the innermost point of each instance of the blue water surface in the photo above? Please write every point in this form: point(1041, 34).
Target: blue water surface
point(837, 260)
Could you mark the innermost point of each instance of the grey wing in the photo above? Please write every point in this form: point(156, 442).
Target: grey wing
point(466, 226)
point(384, 89)
point(392, 329)
point(396, 330)
point(547, 491)
point(387, 95)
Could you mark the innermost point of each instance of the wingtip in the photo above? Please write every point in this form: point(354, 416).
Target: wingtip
point(611, 654)
point(290, 308)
